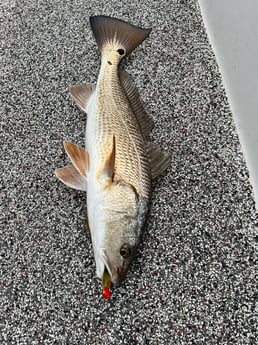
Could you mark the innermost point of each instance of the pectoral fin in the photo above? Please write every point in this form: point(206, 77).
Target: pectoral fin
point(71, 178)
point(106, 173)
point(79, 157)
point(159, 160)
point(81, 95)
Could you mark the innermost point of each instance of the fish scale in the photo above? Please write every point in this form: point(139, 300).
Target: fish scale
point(131, 164)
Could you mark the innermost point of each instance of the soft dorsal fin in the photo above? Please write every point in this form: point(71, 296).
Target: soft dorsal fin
point(159, 160)
point(81, 95)
point(79, 157)
point(144, 120)
point(71, 178)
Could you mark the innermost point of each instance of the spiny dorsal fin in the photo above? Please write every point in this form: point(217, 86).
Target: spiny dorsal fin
point(115, 32)
point(159, 160)
point(79, 157)
point(144, 120)
point(71, 178)
point(87, 225)
point(81, 95)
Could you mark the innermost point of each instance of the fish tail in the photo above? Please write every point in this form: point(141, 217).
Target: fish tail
point(112, 33)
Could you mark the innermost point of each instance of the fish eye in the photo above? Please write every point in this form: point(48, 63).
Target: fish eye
point(120, 51)
point(125, 251)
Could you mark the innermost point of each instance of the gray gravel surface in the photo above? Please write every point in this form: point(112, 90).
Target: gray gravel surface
point(193, 280)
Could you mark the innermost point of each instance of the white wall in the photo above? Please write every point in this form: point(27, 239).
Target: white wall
point(232, 27)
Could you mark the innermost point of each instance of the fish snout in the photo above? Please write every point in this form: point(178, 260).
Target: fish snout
point(118, 274)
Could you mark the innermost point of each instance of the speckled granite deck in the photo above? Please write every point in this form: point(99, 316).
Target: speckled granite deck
point(193, 280)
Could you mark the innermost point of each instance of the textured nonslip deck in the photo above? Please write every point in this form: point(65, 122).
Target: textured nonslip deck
point(193, 280)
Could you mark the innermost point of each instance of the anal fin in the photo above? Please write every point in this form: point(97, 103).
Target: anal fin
point(81, 95)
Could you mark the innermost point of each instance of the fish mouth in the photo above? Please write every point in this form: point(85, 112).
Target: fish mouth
point(105, 261)
point(116, 274)
point(106, 279)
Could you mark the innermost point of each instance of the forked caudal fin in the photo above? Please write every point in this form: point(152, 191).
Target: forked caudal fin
point(113, 33)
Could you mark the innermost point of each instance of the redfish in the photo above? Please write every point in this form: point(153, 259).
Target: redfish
point(118, 163)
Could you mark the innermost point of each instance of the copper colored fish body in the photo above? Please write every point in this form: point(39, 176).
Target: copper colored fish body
point(117, 165)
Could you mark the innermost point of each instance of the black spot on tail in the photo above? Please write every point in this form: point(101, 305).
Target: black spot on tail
point(120, 51)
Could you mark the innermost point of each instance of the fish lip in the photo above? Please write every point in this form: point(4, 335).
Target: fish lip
point(106, 264)
point(117, 273)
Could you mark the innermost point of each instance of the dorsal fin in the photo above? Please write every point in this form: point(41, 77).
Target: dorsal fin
point(144, 120)
point(81, 95)
point(87, 225)
point(71, 178)
point(79, 157)
point(159, 160)
point(117, 33)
